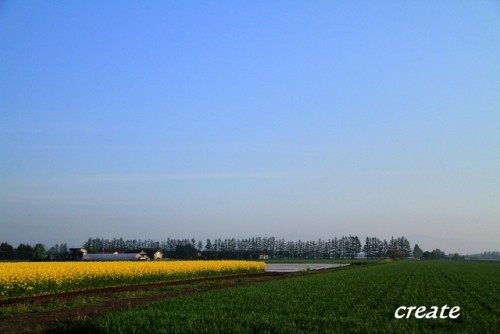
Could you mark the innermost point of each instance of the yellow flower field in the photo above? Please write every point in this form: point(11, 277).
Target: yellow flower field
point(30, 278)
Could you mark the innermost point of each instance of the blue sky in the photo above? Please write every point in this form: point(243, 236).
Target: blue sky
point(251, 118)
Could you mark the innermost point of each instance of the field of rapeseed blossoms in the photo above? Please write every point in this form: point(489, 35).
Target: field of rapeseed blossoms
point(33, 278)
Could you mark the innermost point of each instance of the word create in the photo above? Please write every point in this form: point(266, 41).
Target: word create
point(421, 312)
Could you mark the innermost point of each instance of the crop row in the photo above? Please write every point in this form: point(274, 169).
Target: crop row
point(31, 278)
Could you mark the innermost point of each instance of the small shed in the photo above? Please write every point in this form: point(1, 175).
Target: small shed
point(158, 255)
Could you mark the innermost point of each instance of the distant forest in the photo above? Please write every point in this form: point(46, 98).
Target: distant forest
point(346, 247)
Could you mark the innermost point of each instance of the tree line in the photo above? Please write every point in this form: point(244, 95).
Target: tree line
point(345, 247)
point(486, 256)
point(23, 252)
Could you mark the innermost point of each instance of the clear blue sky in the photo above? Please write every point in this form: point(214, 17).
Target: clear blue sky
point(294, 119)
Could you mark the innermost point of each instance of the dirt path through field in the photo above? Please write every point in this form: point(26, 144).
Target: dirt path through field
point(46, 312)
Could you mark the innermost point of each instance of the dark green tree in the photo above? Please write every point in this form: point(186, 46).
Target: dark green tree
point(186, 251)
point(417, 252)
point(39, 252)
point(404, 246)
point(24, 252)
point(6, 251)
point(372, 248)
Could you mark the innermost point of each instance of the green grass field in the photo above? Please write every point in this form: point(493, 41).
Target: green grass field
point(360, 299)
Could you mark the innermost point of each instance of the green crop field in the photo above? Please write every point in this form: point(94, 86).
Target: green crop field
point(360, 299)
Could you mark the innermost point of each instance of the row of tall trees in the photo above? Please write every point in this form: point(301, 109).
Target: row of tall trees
point(102, 245)
point(346, 247)
point(395, 248)
point(22, 252)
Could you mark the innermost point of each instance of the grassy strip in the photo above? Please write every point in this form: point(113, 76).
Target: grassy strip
point(55, 304)
point(361, 299)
